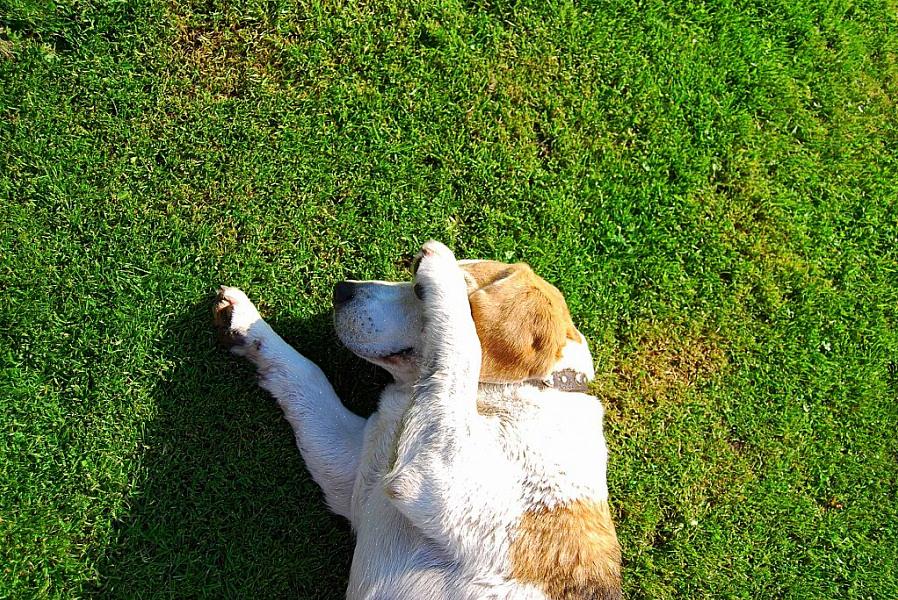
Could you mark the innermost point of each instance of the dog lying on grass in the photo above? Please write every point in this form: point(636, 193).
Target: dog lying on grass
point(482, 473)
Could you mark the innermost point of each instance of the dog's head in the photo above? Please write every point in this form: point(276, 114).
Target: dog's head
point(523, 323)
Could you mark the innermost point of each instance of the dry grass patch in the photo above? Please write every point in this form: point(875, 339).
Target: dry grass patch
point(661, 365)
point(225, 60)
point(7, 49)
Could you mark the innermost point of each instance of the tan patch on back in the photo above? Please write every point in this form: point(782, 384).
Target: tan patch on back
point(522, 320)
point(570, 552)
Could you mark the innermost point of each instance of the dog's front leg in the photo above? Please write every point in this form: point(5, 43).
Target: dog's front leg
point(449, 477)
point(328, 435)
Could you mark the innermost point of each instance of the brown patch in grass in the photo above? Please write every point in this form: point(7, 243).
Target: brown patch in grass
point(662, 365)
point(834, 504)
point(7, 49)
point(736, 445)
point(569, 551)
point(224, 59)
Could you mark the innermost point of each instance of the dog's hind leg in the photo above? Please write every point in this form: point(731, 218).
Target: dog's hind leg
point(328, 435)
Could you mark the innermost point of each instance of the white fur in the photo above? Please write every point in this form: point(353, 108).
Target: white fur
point(433, 488)
point(329, 436)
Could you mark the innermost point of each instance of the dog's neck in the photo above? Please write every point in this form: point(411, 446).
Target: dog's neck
point(571, 373)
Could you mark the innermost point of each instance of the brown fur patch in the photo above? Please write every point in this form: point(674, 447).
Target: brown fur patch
point(570, 552)
point(522, 320)
point(485, 409)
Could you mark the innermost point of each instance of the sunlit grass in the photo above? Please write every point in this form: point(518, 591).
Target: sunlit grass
point(712, 186)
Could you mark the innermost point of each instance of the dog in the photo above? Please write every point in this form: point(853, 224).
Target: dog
point(483, 472)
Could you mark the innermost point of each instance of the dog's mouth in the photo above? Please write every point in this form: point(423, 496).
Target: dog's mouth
point(395, 355)
point(404, 353)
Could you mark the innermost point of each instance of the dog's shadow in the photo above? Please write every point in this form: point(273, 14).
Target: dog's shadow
point(222, 504)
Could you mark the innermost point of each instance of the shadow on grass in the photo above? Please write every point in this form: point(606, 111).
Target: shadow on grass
point(222, 504)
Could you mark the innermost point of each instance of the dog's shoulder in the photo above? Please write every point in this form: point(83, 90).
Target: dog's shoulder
point(544, 415)
point(555, 437)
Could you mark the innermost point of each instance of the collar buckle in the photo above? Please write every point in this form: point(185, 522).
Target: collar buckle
point(565, 380)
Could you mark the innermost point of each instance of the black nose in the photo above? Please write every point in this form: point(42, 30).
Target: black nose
point(343, 292)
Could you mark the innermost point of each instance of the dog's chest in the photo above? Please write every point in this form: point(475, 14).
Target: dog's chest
point(549, 460)
point(379, 448)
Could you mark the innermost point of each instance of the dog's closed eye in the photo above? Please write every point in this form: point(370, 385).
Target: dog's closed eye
point(419, 291)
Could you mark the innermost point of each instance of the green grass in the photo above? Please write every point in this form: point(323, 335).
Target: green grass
point(714, 186)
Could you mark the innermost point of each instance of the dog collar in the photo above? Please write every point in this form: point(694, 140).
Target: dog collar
point(565, 380)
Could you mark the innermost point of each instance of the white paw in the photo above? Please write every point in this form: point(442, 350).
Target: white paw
point(236, 319)
point(438, 276)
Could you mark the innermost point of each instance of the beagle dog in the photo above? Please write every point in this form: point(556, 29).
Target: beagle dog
point(482, 473)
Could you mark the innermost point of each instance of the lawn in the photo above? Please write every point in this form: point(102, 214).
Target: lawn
point(713, 185)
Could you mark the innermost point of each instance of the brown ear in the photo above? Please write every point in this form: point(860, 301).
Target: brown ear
point(522, 321)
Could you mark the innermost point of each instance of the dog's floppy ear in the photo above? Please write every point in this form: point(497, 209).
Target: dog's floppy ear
point(522, 321)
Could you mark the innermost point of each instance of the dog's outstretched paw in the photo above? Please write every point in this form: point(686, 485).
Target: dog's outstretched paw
point(234, 315)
